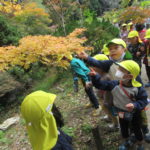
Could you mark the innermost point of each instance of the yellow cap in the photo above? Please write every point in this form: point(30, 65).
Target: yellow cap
point(133, 68)
point(147, 36)
point(41, 125)
point(134, 34)
point(105, 49)
point(100, 57)
point(69, 57)
point(61, 56)
point(123, 25)
point(118, 42)
point(130, 23)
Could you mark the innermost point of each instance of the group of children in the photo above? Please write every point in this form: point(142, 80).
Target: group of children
point(119, 86)
point(138, 45)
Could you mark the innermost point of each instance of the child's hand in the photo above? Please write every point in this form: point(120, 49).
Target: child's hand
point(92, 72)
point(83, 55)
point(138, 54)
point(88, 84)
point(130, 107)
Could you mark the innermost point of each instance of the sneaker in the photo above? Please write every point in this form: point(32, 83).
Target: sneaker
point(105, 118)
point(128, 143)
point(88, 105)
point(147, 84)
point(140, 147)
point(132, 140)
point(122, 147)
point(113, 128)
point(97, 111)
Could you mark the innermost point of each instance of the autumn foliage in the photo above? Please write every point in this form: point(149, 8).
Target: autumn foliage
point(14, 9)
point(46, 49)
point(135, 13)
point(9, 8)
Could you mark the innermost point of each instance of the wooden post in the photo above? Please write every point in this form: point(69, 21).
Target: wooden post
point(97, 138)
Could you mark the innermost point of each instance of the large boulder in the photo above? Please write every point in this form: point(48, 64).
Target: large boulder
point(9, 88)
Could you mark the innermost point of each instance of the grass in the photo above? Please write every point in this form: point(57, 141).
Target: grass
point(87, 128)
point(3, 139)
point(69, 130)
point(45, 84)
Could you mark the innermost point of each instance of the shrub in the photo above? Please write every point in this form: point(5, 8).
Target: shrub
point(9, 34)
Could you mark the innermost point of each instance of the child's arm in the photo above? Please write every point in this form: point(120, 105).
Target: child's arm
point(141, 99)
point(103, 84)
point(103, 65)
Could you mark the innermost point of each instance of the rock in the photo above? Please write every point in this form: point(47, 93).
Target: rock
point(8, 87)
point(7, 123)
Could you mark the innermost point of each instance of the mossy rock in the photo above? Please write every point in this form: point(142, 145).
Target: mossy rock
point(8, 85)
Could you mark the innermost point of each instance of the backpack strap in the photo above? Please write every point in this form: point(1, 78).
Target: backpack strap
point(125, 92)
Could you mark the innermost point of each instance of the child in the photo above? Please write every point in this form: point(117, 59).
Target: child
point(131, 26)
point(106, 96)
point(81, 70)
point(140, 28)
point(136, 47)
point(129, 97)
point(124, 32)
point(42, 121)
point(147, 57)
point(105, 50)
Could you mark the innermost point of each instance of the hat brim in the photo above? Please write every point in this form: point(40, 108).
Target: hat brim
point(147, 37)
point(139, 40)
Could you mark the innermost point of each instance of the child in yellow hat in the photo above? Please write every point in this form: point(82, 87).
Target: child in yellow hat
point(147, 57)
point(80, 70)
point(129, 98)
point(136, 46)
point(105, 97)
point(131, 26)
point(42, 121)
point(124, 32)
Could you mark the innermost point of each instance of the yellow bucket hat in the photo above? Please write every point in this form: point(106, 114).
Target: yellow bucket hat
point(41, 125)
point(134, 34)
point(105, 49)
point(118, 42)
point(124, 24)
point(100, 57)
point(147, 36)
point(133, 68)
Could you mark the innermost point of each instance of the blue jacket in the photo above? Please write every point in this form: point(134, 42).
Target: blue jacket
point(141, 97)
point(80, 69)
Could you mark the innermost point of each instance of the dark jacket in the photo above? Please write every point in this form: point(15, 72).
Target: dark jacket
point(139, 47)
point(106, 64)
